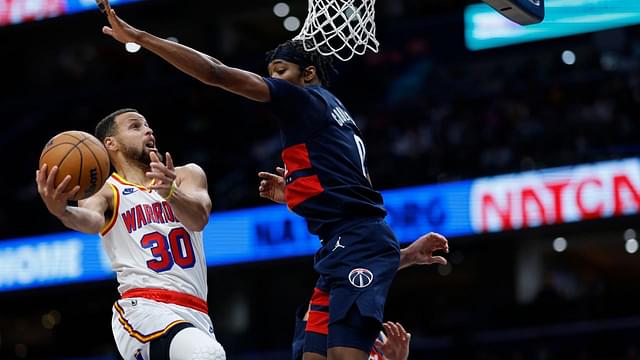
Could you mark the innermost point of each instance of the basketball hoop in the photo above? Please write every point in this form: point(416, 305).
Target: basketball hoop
point(342, 28)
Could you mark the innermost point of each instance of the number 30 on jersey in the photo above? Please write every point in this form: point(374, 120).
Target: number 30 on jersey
point(176, 248)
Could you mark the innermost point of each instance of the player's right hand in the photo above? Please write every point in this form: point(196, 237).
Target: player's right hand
point(54, 197)
point(272, 185)
point(119, 29)
point(395, 345)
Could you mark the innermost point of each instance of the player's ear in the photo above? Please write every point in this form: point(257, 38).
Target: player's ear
point(309, 74)
point(110, 144)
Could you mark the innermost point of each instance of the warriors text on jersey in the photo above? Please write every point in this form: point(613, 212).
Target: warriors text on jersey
point(148, 246)
point(327, 180)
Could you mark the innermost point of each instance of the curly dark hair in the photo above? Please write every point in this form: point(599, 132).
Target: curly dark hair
point(298, 55)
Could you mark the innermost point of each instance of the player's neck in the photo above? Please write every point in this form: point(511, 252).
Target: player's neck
point(133, 173)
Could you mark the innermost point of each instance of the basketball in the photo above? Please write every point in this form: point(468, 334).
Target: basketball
point(80, 155)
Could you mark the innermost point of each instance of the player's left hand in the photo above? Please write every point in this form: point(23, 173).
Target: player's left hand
point(421, 251)
point(119, 29)
point(164, 175)
point(396, 342)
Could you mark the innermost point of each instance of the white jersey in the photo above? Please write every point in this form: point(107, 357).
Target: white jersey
point(147, 244)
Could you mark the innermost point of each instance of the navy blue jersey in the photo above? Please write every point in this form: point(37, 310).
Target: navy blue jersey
point(326, 177)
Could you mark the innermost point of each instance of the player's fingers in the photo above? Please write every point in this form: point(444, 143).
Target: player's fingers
point(107, 30)
point(280, 171)
point(51, 177)
point(158, 167)
point(60, 188)
point(401, 328)
point(439, 260)
point(387, 328)
point(268, 175)
point(394, 329)
point(71, 193)
point(160, 177)
point(154, 157)
point(169, 161)
point(437, 236)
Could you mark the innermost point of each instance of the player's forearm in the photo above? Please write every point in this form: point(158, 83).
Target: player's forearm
point(191, 210)
point(190, 61)
point(83, 220)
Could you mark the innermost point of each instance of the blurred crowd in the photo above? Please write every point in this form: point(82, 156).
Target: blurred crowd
point(428, 115)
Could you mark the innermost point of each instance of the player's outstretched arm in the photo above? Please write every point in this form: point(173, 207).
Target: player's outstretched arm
point(420, 252)
point(87, 217)
point(192, 62)
point(272, 186)
point(395, 345)
point(185, 188)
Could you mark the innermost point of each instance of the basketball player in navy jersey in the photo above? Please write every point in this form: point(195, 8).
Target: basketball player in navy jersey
point(326, 182)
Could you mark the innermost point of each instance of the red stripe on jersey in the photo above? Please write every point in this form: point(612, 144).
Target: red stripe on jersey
point(320, 298)
point(302, 189)
point(169, 297)
point(296, 158)
point(318, 321)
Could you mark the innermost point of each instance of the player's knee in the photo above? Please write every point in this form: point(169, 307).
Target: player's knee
point(194, 344)
point(212, 351)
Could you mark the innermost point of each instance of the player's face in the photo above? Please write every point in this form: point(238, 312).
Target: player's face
point(285, 70)
point(136, 137)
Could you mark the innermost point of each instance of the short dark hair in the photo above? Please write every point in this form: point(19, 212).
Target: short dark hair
point(323, 64)
point(107, 126)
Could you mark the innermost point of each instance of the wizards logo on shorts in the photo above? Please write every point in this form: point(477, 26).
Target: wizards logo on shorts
point(360, 277)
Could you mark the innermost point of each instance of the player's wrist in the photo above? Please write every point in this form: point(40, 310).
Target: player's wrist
point(172, 191)
point(407, 257)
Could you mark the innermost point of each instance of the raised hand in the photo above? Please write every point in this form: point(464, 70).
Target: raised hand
point(164, 175)
point(54, 197)
point(420, 252)
point(272, 185)
point(396, 342)
point(119, 29)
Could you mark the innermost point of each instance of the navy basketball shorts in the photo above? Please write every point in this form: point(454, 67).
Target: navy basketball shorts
point(356, 268)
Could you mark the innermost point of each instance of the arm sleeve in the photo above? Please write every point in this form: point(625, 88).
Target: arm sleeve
point(284, 93)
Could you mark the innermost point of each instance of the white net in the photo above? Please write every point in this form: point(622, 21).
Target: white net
point(342, 28)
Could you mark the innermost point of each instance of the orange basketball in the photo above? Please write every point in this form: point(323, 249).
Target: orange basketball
point(80, 155)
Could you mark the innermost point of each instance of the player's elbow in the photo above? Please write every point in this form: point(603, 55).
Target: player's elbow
point(200, 221)
point(214, 75)
point(199, 224)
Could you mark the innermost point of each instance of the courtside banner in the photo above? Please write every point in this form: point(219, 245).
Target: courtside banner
point(20, 11)
point(494, 204)
point(555, 196)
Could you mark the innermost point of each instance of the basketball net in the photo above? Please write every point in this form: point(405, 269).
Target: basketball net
point(342, 28)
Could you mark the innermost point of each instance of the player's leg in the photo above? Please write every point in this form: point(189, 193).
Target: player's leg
point(359, 277)
point(353, 336)
point(317, 327)
point(193, 344)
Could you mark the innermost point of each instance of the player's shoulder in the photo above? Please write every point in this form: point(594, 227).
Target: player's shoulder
point(102, 198)
point(190, 170)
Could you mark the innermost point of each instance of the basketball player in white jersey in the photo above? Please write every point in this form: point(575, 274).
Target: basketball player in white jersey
point(159, 260)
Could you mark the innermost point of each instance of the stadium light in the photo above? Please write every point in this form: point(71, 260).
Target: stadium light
point(281, 9)
point(560, 244)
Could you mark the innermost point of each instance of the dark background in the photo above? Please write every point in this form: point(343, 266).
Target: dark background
point(431, 112)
